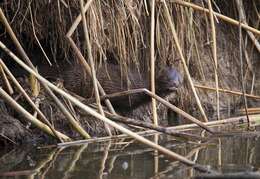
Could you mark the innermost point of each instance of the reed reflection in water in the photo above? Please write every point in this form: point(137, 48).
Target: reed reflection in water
point(128, 159)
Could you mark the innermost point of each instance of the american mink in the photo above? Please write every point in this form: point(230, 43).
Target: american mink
point(113, 80)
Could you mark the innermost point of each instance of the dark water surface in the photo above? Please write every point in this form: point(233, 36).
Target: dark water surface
point(127, 159)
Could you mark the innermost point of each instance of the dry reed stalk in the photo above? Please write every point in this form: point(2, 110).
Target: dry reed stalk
point(173, 31)
point(16, 174)
point(254, 120)
point(20, 88)
point(30, 117)
point(58, 4)
point(224, 18)
point(249, 174)
point(214, 50)
point(241, 10)
point(8, 139)
point(78, 19)
point(164, 102)
point(252, 84)
point(148, 125)
point(227, 91)
point(248, 61)
point(37, 104)
point(88, 70)
point(63, 109)
point(219, 152)
point(240, 120)
point(198, 58)
point(8, 85)
point(36, 38)
point(250, 67)
point(239, 6)
point(92, 112)
point(152, 61)
point(26, 58)
point(250, 111)
point(91, 61)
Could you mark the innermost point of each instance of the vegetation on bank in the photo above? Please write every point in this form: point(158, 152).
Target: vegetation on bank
point(213, 45)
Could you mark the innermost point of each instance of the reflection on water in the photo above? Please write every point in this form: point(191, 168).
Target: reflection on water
point(128, 159)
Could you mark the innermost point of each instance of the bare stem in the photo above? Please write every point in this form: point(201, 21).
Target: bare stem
point(91, 61)
point(179, 50)
point(155, 120)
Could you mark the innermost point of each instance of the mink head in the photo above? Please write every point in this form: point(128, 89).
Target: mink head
point(168, 80)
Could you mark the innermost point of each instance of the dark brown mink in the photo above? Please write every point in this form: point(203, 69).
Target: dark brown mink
point(114, 80)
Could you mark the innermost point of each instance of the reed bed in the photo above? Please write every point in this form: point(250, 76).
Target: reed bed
point(200, 40)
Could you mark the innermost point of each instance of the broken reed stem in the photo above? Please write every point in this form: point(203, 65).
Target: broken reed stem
point(92, 112)
point(20, 88)
point(155, 116)
point(6, 81)
point(174, 34)
point(214, 51)
point(88, 70)
point(224, 18)
point(63, 109)
point(30, 117)
point(158, 128)
point(164, 102)
point(228, 91)
point(91, 61)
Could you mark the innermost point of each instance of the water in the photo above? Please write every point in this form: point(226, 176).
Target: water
point(128, 159)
